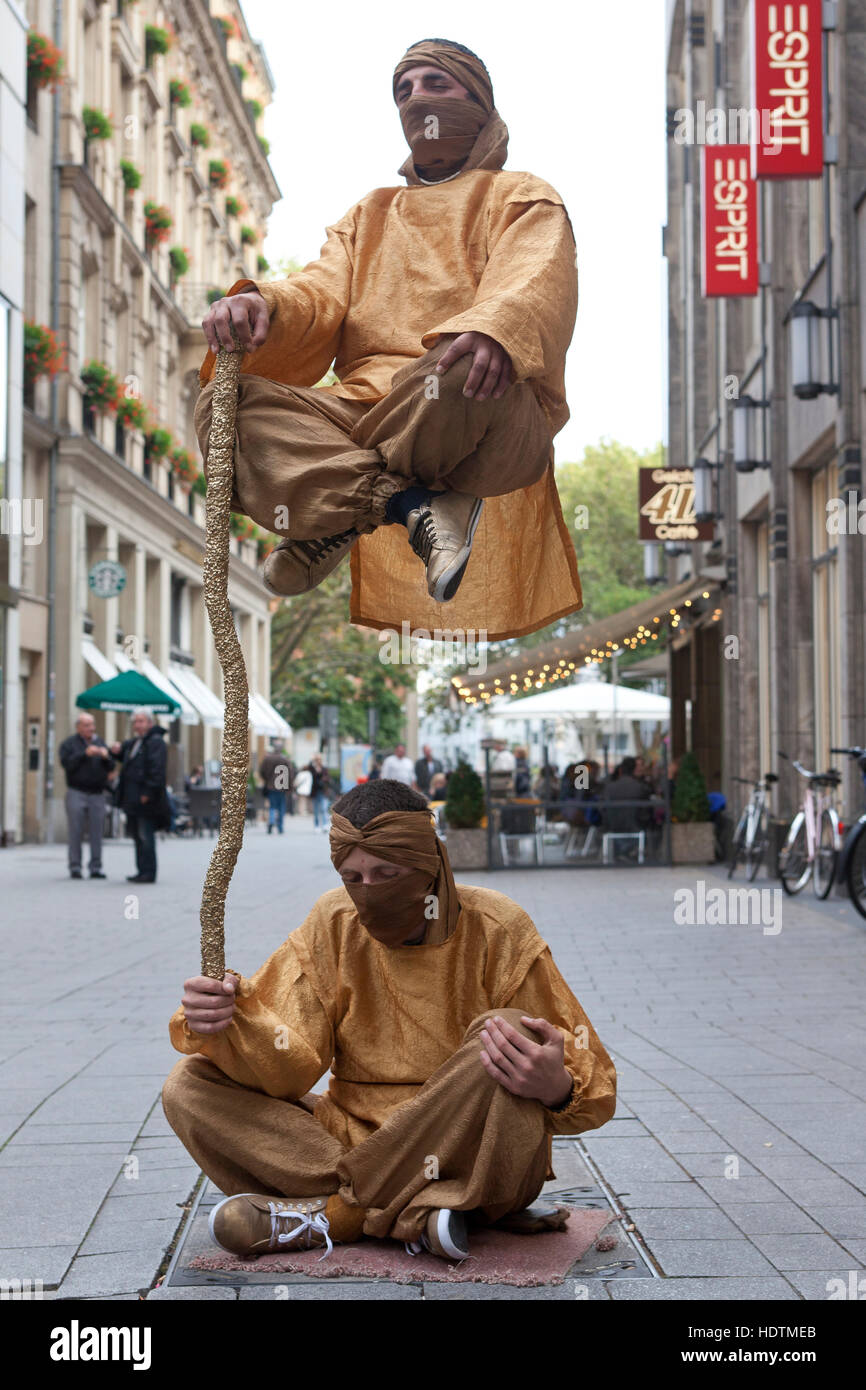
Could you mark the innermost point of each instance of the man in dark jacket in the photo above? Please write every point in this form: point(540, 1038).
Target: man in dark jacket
point(625, 819)
point(426, 768)
point(141, 791)
point(87, 763)
point(277, 771)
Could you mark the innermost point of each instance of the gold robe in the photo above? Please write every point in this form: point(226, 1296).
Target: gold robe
point(384, 1020)
point(491, 251)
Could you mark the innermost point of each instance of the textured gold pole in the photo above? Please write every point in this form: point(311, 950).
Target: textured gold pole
point(235, 759)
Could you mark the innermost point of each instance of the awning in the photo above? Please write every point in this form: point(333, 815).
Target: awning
point(187, 714)
point(209, 706)
point(98, 663)
point(266, 720)
point(530, 668)
point(126, 692)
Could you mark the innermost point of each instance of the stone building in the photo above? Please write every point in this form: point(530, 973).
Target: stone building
point(136, 211)
point(784, 668)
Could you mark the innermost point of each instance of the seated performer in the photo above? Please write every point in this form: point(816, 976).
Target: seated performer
point(447, 307)
point(456, 1051)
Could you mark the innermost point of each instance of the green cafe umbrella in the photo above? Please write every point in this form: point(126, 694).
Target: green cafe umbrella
point(126, 692)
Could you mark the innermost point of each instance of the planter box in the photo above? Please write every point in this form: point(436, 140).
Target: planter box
point(467, 849)
point(693, 842)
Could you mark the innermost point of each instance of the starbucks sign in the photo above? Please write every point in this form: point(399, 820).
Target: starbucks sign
point(106, 578)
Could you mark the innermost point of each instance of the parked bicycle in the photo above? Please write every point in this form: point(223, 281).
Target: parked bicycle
point(812, 844)
point(852, 860)
point(752, 834)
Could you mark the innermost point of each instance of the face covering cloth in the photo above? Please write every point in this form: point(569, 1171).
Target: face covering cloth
point(489, 148)
point(407, 838)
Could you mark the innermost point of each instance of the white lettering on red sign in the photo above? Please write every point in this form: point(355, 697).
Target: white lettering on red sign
point(731, 229)
point(788, 48)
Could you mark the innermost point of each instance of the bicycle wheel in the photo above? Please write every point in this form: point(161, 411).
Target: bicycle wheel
point(826, 855)
point(757, 849)
point(857, 872)
point(794, 866)
point(737, 842)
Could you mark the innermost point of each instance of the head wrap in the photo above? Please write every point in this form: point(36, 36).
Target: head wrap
point(407, 838)
point(491, 146)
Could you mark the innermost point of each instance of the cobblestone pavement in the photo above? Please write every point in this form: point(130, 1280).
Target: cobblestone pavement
point(737, 1150)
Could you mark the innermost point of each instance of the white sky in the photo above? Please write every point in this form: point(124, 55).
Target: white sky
point(582, 92)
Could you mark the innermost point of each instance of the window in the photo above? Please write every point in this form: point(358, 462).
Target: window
point(825, 625)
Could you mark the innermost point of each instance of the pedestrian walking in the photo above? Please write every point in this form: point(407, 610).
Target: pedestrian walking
point(276, 771)
point(141, 791)
point(320, 791)
point(398, 768)
point(87, 762)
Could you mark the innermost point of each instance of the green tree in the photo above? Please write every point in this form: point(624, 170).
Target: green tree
point(319, 658)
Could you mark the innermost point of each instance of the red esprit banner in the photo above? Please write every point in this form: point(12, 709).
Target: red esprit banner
point(729, 215)
point(787, 89)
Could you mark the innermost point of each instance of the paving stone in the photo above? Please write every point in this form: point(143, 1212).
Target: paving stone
point(200, 1293)
point(708, 1257)
point(108, 1235)
point(46, 1262)
point(820, 1285)
point(726, 1191)
point(840, 1221)
point(683, 1223)
point(686, 1193)
point(332, 1290)
point(571, 1291)
point(109, 1274)
point(799, 1251)
point(750, 1290)
point(768, 1218)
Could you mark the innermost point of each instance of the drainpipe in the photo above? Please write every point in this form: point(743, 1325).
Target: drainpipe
point(51, 638)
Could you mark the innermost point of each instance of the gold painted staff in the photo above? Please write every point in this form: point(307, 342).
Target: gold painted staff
point(235, 758)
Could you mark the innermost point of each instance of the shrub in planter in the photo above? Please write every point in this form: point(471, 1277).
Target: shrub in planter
point(255, 108)
point(199, 135)
point(97, 126)
point(199, 486)
point(263, 265)
point(229, 25)
point(264, 545)
point(242, 527)
point(131, 411)
point(241, 71)
point(179, 93)
point(43, 354)
point(464, 803)
point(131, 175)
point(249, 236)
point(183, 468)
point(214, 294)
point(690, 801)
point(44, 60)
point(218, 171)
point(101, 387)
point(157, 223)
point(156, 40)
point(179, 258)
point(265, 144)
point(234, 206)
point(157, 443)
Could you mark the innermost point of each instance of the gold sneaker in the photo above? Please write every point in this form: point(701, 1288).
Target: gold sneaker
point(295, 567)
point(441, 533)
point(252, 1225)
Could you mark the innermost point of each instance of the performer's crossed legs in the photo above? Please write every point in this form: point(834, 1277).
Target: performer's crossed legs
point(314, 465)
point(489, 1148)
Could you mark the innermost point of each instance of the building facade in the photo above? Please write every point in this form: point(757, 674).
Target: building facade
point(785, 668)
point(145, 193)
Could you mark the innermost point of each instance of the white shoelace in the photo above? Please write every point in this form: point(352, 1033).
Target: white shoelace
point(305, 1221)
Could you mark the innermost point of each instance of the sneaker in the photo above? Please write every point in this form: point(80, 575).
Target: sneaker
point(295, 567)
point(441, 532)
point(75, 873)
point(541, 1216)
point(445, 1235)
point(96, 873)
point(252, 1225)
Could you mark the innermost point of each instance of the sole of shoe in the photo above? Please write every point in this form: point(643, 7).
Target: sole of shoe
point(451, 1234)
point(448, 583)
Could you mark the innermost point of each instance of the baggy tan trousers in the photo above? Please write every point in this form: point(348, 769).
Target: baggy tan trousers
point(334, 463)
point(489, 1148)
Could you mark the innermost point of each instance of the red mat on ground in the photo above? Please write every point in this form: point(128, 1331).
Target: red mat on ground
point(497, 1257)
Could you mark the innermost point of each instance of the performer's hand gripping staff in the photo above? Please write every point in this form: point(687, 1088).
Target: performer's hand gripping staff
point(209, 999)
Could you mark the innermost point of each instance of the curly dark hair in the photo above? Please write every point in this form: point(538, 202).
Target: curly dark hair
point(370, 799)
